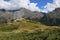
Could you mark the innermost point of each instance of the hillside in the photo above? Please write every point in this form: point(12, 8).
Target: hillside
point(23, 24)
point(28, 30)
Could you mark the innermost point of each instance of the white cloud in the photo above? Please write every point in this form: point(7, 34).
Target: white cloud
point(4, 4)
point(32, 6)
point(51, 6)
point(16, 4)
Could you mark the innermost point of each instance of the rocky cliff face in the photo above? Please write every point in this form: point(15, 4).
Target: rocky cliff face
point(17, 14)
point(52, 18)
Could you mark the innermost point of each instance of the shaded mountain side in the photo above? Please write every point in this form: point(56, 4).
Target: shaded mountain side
point(55, 13)
point(52, 18)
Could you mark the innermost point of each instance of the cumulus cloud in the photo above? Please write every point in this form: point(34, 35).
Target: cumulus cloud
point(4, 4)
point(51, 6)
point(16, 4)
point(32, 6)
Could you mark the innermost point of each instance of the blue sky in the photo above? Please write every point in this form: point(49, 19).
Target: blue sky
point(6, 0)
point(42, 3)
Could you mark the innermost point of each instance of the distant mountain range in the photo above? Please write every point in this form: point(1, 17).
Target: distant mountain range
point(27, 13)
point(51, 17)
point(19, 13)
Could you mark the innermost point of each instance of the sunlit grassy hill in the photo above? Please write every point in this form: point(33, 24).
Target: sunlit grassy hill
point(24, 24)
point(28, 30)
point(21, 25)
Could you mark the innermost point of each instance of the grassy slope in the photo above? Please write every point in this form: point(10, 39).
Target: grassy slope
point(32, 26)
point(19, 27)
point(24, 25)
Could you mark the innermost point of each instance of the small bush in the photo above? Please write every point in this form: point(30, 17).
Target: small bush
point(9, 27)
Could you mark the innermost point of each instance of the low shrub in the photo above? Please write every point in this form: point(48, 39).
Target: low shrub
point(8, 27)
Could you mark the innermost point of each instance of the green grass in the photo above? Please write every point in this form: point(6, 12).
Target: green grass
point(5, 27)
point(28, 30)
point(37, 35)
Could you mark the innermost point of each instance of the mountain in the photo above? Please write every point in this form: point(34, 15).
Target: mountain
point(55, 13)
point(19, 13)
point(32, 15)
point(52, 18)
point(26, 29)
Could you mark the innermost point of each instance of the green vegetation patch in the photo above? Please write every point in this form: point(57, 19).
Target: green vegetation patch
point(37, 35)
point(5, 27)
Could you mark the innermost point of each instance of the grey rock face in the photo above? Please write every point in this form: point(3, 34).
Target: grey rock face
point(19, 14)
